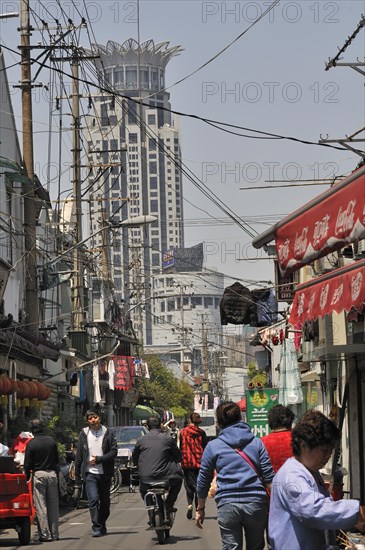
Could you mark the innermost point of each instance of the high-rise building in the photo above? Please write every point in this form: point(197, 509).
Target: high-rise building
point(135, 157)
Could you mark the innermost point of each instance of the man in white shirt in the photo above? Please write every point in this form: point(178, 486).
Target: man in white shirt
point(94, 464)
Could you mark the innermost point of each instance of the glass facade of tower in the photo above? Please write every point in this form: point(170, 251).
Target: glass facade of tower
point(135, 154)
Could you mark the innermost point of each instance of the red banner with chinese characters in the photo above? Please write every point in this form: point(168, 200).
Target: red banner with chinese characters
point(341, 289)
point(124, 372)
point(329, 225)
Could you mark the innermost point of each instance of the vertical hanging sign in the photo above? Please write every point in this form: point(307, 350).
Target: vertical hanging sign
point(258, 403)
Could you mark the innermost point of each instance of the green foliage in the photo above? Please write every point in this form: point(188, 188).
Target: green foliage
point(178, 412)
point(260, 377)
point(167, 391)
point(251, 369)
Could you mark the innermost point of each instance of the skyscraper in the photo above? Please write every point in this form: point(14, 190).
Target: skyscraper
point(135, 158)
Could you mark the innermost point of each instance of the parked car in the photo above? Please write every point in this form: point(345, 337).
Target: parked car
point(127, 437)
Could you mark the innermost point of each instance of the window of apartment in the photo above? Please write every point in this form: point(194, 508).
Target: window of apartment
point(133, 138)
point(162, 305)
point(151, 120)
point(131, 78)
point(155, 260)
point(152, 144)
point(208, 301)
point(153, 182)
point(169, 319)
point(153, 167)
point(196, 301)
point(119, 77)
point(154, 205)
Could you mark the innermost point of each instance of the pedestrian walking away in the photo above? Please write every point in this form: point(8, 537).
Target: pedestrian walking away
point(157, 457)
point(173, 431)
point(41, 460)
point(278, 443)
point(303, 515)
point(94, 466)
point(193, 441)
point(241, 496)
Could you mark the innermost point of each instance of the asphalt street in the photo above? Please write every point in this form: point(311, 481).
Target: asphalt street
point(127, 528)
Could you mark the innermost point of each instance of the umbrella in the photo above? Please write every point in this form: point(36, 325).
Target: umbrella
point(242, 404)
point(142, 412)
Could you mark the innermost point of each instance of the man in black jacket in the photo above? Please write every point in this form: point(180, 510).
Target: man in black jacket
point(94, 464)
point(41, 458)
point(157, 457)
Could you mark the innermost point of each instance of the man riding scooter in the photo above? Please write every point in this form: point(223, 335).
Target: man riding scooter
point(157, 457)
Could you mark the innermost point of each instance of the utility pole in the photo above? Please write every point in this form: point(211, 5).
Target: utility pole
point(77, 296)
point(31, 276)
point(78, 282)
point(205, 356)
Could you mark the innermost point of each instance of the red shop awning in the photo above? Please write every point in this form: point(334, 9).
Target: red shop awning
point(341, 289)
point(329, 222)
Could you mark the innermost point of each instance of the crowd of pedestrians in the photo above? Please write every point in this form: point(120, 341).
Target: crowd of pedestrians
point(269, 488)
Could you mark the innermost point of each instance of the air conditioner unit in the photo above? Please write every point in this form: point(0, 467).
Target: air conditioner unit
point(359, 249)
point(327, 264)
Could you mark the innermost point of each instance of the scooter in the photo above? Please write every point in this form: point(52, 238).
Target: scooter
point(160, 520)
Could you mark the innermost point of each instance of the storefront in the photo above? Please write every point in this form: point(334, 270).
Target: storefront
point(331, 301)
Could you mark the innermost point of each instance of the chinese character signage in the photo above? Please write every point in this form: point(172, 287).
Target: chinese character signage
point(124, 372)
point(258, 403)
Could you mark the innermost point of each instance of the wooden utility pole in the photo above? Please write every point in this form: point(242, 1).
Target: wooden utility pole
point(78, 280)
point(31, 281)
point(77, 297)
point(205, 356)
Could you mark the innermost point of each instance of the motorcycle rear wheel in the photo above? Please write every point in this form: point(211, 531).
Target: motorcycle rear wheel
point(159, 532)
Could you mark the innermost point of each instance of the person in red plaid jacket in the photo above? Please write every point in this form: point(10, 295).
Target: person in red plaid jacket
point(192, 443)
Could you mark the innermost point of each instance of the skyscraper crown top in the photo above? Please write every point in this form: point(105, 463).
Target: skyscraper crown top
point(132, 53)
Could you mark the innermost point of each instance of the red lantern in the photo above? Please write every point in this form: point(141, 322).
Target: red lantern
point(33, 390)
point(42, 390)
point(49, 391)
point(8, 385)
point(20, 389)
point(25, 389)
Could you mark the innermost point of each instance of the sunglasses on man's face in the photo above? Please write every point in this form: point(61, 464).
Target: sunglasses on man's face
point(92, 416)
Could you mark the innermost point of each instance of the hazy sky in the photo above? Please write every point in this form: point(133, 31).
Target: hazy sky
point(272, 79)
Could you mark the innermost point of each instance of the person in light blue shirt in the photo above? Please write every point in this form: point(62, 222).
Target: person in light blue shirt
point(303, 516)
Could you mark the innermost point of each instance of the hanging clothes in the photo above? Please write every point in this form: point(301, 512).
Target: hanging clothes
point(290, 389)
point(75, 385)
point(145, 370)
point(236, 305)
point(82, 387)
point(266, 307)
point(111, 374)
point(97, 396)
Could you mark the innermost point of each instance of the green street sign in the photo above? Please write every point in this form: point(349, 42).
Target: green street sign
point(259, 402)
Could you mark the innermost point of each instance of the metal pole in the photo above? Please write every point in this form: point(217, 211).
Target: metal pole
point(31, 281)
